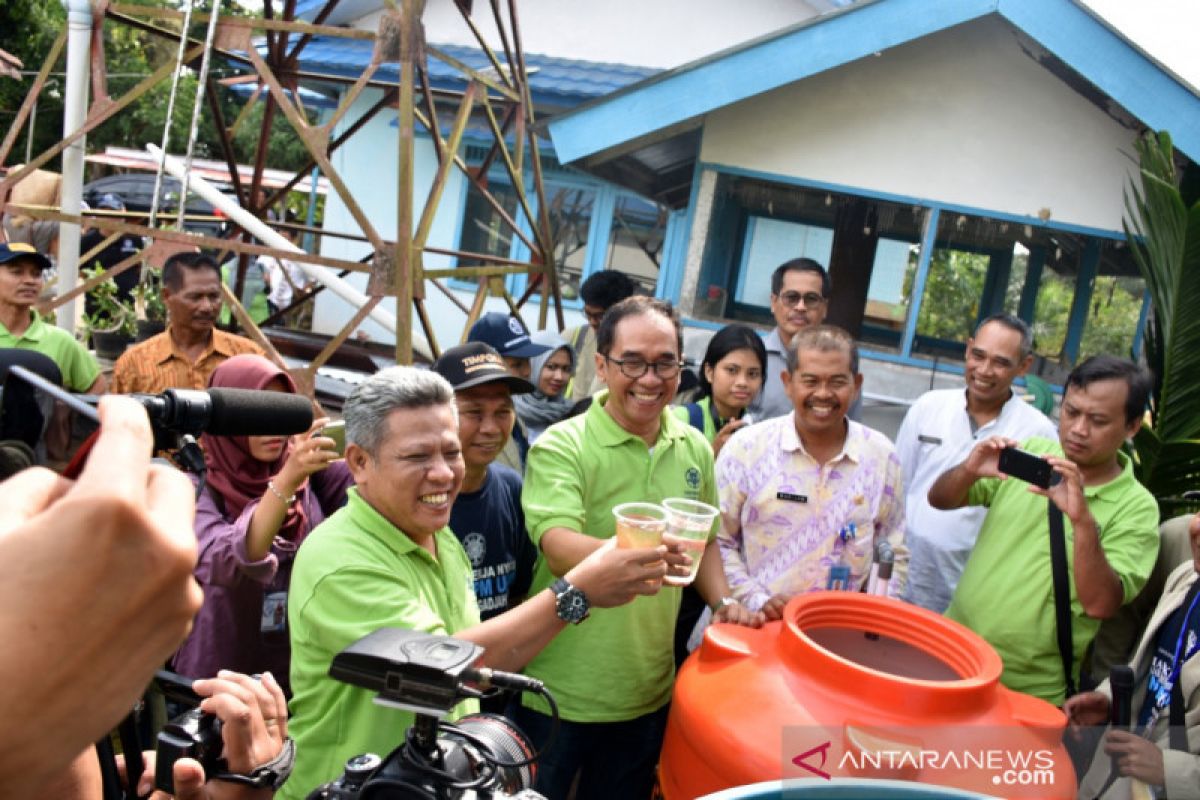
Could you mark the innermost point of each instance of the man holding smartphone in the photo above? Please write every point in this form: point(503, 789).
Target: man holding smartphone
point(1110, 523)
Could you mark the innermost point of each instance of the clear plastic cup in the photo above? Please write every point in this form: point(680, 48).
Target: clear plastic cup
point(640, 524)
point(689, 523)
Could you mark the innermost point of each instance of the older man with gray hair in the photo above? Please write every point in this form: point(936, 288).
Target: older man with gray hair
point(389, 559)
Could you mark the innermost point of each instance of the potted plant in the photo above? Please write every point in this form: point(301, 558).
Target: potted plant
point(147, 296)
point(110, 323)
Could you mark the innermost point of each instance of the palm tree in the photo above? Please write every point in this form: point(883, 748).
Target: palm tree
point(1163, 230)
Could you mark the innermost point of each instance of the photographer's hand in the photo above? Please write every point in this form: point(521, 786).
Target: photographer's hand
point(613, 576)
point(953, 487)
point(97, 591)
point(254, 727)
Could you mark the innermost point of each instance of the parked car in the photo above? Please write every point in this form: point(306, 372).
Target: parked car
point(136, 190)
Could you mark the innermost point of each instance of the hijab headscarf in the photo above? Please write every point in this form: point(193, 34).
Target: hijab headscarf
point(236, 476)
point(537, 410)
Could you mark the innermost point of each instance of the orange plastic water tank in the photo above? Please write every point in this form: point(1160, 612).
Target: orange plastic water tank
point(851, 686)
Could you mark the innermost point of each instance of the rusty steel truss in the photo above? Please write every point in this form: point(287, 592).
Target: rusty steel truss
point(396, 267)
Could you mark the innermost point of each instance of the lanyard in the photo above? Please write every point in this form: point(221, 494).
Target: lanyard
point(1177, 661)
point(1176, 666)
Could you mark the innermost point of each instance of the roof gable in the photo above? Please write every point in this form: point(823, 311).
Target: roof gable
point(677, 100)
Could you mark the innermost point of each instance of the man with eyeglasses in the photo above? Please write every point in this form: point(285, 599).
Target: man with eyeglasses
point(613, 678)
point(799, 297)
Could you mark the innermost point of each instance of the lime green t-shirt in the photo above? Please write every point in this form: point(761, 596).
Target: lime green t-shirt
point(79, 369)
point(1006, 593)
point(619, 664)
point(355, 573)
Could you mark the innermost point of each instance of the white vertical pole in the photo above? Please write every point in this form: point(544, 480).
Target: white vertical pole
point(79, 33)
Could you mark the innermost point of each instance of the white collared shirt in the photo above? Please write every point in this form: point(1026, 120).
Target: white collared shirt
point(936, 435)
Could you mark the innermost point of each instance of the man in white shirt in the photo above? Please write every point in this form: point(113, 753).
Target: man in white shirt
point(938, 432)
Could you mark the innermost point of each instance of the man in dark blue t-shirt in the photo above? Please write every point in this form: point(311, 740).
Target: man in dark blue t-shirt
point(487, 516)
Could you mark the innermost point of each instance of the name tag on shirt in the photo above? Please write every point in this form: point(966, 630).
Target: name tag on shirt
point(926, 439)
point(792, 498)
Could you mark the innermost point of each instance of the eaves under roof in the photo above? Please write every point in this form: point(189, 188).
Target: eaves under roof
point(647, 135)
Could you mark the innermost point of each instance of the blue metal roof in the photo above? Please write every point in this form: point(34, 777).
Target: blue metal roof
point(681, 97)
point(552, 81)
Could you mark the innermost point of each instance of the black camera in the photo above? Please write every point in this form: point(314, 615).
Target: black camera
point(193, 734)
point(479, 756)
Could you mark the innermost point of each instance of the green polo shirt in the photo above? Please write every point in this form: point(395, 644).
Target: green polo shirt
point(79, 369)
point(619, 663)
point(1006, 593)
point(355, 573)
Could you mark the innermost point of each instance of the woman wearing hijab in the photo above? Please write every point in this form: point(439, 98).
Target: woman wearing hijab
point(550, 372)
point(263, 496)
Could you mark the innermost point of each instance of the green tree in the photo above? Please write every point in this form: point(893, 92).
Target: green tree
point(27, 30)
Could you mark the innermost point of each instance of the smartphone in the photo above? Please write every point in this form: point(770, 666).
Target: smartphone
point(336, 430)
point(1028, 467)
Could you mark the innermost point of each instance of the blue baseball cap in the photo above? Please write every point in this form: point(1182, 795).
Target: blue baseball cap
point(11, 251)
point(506, 334)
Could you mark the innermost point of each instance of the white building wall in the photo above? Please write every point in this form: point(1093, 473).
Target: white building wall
point(963, 117)
point(367, 164)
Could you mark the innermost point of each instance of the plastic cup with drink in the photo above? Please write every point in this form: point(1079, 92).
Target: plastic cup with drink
point(689, 523)
point(640, 524)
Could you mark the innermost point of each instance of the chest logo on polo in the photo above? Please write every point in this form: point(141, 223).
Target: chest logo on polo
point(476, 547)
point(692, 478)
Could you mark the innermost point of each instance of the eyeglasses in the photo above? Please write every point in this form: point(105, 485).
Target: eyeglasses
point(636, 367)
point(791, 299)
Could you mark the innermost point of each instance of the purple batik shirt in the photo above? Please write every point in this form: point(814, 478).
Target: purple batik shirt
point(782, 511)
point(242, 624)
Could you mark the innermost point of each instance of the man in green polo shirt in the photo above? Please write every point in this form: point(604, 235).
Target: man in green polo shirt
point(21, 283)
point(388, 559)
point(1110, 522)
point(613, 681)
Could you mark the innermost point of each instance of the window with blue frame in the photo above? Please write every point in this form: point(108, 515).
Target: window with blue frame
point(777, 223)
point(635, 240)
point(570, 207)
point(1080, 292)
point(484, 230)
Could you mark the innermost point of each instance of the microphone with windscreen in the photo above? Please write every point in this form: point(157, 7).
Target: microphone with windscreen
point(1120, 682)
point(227, 412)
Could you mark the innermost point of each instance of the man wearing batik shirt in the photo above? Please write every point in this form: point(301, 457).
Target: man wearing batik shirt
point(807, 497)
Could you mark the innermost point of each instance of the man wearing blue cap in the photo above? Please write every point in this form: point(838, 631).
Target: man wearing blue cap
point(509, 337)
point(21, 283)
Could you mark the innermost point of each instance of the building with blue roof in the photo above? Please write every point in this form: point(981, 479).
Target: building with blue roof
point(909, 145)
point(598, 224)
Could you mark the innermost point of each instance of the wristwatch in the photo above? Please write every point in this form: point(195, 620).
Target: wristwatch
point(720, 604)
point(570, 603)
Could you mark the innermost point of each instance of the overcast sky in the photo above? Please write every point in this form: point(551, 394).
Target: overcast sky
point(1166, 29)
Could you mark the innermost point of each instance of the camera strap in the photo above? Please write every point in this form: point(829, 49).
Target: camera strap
point(1062, 594)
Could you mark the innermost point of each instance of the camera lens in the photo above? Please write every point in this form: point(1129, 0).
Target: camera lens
point(504, 742)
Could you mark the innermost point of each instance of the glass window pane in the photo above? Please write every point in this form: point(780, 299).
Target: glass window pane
point(953, 290)
point(636, 239)
point(887, 296)
point(484, 230)
point(772, 242)
point(570, 211)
